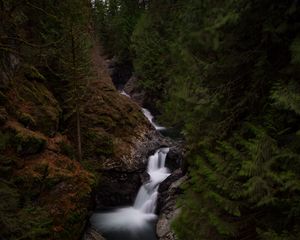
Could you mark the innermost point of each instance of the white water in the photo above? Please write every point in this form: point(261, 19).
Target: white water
point(137, 219)
point(124, 93)
point(147, 114)
point(150, 117)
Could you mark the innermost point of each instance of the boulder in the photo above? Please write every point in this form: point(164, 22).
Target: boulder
point(117, 188)
point(25, 141)
point(121, 178)
point(35, 107)
point(169, 190)
point(174, 157)
point(136, 93)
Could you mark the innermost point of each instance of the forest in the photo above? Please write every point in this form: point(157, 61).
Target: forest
point(224, 74)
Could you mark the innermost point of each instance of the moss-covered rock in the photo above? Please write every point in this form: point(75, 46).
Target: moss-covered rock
point(35, 107)
point(6, 170)
point(24, 140)
point(67, 149)
point(4, 140)
point(32, 73)
point(98, 143)
point(3, 98)
point(28, 144)
point(26, 119)
point(106, 123)
point(27, 222)
point(3, 115)
point(61, 190)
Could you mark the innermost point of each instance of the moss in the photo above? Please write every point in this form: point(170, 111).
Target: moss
point(32, 73)
point(42, 169)
point(26, 119)
point(3, 98)
point(28, 144)
point(6, 166)
point(30, 222)
point(9, 197)
point(75, 221)
point(3, 115)
point(4, 140)
point(5, 171)
point(99, 143)
point(106, 122)
point(105, 147)
point(67, 149)
point(48, 120)
point(49, 183)
point(76, 217)
point(45, 110)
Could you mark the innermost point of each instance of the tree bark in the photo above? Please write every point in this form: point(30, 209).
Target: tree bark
point(77, 109)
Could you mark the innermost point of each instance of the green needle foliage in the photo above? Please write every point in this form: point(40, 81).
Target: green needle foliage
point(228, 73)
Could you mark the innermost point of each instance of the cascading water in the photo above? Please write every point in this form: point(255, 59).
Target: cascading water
point(124, 93)
point(147, 114)
point(147, 195)
point(136, 222)
point(150, 117)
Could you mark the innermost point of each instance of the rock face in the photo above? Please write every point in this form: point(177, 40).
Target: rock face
point(169, 191)
point(120, 181)
point(117, 139)
point(92, 234)
point(119, 72)
point(45, 190)
point(136, 93)
point(174, 159)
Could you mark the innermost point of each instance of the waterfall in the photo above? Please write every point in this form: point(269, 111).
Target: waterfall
point(147, 114)
point(136, 220)
point(124, 93)
point(150, 117)
point(146, 198)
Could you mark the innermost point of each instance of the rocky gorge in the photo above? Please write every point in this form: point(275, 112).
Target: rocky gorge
point(41, 179)
point(119, 184)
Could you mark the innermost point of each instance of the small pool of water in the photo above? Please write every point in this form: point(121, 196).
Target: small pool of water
point(125, 224)
point(136, 222)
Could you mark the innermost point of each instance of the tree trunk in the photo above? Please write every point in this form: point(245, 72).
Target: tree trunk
point(78, 127)
point(78, 132)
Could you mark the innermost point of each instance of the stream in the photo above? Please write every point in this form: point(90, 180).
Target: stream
point(138, 221)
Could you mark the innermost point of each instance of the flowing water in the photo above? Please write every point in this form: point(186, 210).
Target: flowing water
point(136, 222)
point(149, 116)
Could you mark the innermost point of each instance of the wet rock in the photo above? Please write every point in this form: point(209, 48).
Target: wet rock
point(166, 192)
point(169, 190)
point(120, 72)
point(121, 179)
point(163, 226)
point(92, 234)
point(136, 93)
point(174, 157)
point(145, 177)
point(117, 188)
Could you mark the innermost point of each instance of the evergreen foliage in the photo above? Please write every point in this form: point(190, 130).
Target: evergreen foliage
point(42, 43)
point(114, 23)
point(227, 72)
